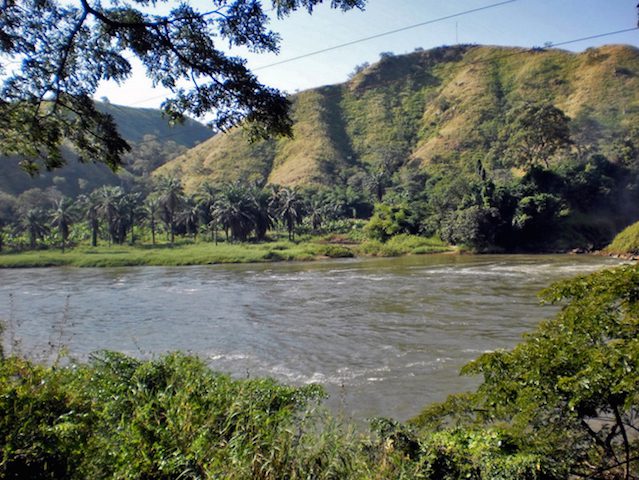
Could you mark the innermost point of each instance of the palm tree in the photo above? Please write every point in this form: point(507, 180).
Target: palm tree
point(377, 182)
point(63, 216)
point(289, 208)
point(189, 216)
point(206, 196)
point(171, 197)
point(109, 199)
point(129, 211)
point(91, 206)
point(152, 210)
point(34, 222)
point(234, 211)
point(316, 210)
point(345, 202)
point(262, 218)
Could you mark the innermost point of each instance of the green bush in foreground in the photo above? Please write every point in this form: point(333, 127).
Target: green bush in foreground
point(562, 404)
point(117, 417)
point(570, 391)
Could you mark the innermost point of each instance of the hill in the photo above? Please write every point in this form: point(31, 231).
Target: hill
point(626, 242)
point(437, 109)
point(152, 139)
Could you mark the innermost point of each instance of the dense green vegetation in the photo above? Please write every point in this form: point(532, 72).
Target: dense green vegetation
point(548, 207)
point(492, 148)
point(203, 253)
point(562, 404)
point(158, 224)
point(113, 215)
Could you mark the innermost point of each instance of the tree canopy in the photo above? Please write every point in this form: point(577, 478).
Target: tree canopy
point(55, 54)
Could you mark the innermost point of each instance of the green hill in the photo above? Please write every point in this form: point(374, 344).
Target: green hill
point(441, 108)
point(625, 242)
point(152, 139)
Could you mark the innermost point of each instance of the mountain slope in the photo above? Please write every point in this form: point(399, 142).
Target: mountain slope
point(152, 139)
point(441, 107)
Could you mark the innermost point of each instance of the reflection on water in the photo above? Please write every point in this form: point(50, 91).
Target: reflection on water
point(385, 336)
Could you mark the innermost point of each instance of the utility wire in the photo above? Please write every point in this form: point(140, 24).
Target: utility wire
point(550, 45)
point(506, 55)
point(365, 39)
point(384, 34)
point(510, 54)
point(592, 37)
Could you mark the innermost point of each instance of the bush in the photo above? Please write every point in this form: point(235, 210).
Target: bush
point(118, 417)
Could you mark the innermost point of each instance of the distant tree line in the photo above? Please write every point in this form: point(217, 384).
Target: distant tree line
point(147, 211)
point(536, 190)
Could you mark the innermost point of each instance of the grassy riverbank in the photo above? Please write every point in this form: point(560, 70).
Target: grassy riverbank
point(206, 253)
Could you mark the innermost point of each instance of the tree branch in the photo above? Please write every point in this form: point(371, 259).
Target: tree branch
point(65, 55)
point(626, 443)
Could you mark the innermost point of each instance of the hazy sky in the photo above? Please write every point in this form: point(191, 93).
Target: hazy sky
point(525, 23)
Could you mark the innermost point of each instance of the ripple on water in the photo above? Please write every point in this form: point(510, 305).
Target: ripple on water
point(387, 335)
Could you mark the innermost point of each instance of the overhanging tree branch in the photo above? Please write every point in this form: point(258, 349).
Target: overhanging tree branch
point(60, 56)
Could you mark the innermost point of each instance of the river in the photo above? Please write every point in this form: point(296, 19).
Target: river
point(384, 336)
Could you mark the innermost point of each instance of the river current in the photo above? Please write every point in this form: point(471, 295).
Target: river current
point(384, 336)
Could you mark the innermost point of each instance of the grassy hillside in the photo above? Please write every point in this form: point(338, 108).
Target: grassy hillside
point(431, 108)
point(152, 139)
point(136, 123)
point(626, 242)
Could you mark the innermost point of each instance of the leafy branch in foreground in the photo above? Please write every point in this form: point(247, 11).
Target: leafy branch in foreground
point(55, 54)
point(570, 391)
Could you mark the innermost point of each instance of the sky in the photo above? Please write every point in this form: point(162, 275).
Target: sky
point(523, 23)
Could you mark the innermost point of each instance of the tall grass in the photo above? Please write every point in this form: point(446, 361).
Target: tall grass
point(173, 418)
point(626, 241)
point(208, 253)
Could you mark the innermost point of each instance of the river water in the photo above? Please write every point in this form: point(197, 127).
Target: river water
point(384, 336)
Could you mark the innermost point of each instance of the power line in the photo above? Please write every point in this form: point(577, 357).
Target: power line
point(510, 54)
point(365, 39)
point(592, 37)
point(489, 60)
point(384, 34)
point(552, 45)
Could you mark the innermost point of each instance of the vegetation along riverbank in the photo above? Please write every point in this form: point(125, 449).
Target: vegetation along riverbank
point(205, 253)
point(562, 404)
point(540, 155)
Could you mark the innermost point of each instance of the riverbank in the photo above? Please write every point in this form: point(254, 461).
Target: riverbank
point(207, 253)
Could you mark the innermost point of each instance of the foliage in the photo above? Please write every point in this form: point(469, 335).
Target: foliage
point(561, 404)
point(74, 47)
point(626, 241)
point(117, 417)
point(569, 392)
point(436, 163)
point(170, 200)
point(287, 205)
point(536, 131)
point(389, 220)
point(439, 110)
point(63, 217)
point(403, 244)
point(473, 226)
point(8, 207)
point(148, 151)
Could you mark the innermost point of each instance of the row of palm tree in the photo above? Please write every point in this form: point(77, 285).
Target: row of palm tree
point(239, 210)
